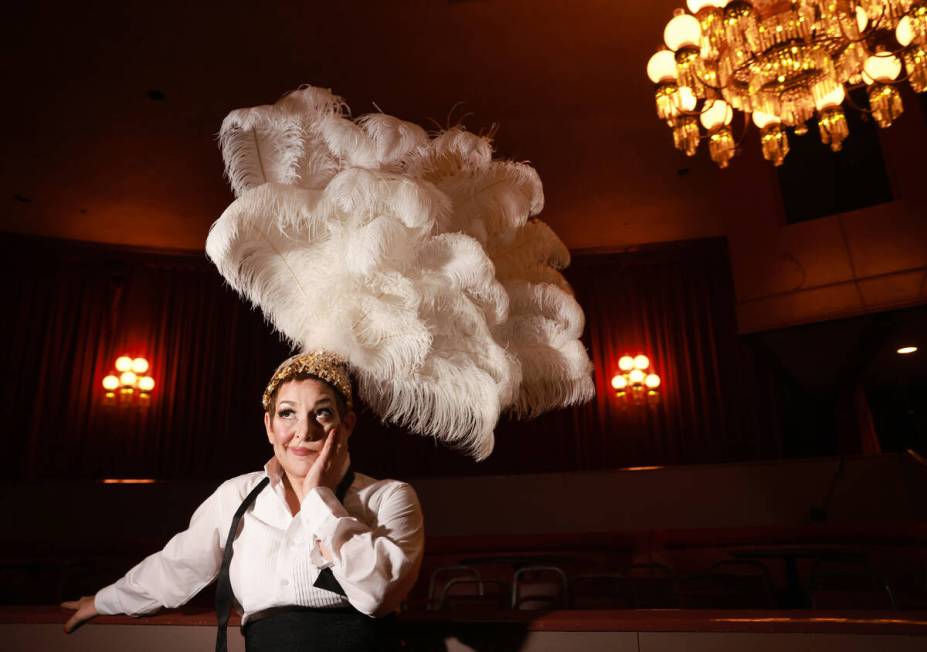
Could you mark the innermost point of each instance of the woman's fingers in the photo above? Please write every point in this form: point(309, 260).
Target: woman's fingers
point(84, 610)
point(72, 623)
point(325, 453)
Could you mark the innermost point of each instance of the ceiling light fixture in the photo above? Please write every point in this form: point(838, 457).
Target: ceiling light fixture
point(785, 62)
point(905, 350)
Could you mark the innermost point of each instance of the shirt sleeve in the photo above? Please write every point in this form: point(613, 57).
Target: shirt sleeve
point(376, 566)
point(173, 575)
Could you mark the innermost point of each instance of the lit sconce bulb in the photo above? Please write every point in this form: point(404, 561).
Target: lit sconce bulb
point(123, 363)
point(619, 381)
point(652, 381)
point(146, 383)
point(626, 363)
point(636, 376)
point(128, 378)
point(905, 350)
point(641, 362)
point(110, 383)
point(140, 365)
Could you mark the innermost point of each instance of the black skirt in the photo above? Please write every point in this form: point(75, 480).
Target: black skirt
point(293, 629)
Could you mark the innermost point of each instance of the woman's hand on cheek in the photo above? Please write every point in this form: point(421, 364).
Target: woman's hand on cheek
point(328, 466)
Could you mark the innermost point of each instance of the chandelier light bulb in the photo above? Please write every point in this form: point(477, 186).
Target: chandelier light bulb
point(786, 63)
point(718, 113)
point(685, 99)
point(626, 363)
point(762, 120)
point(636, 376)
point(696, 6)
point(862, 19)
point(832, 99)
point(641, 362)
point(128, 378)
point(110, 383)
point(904, 33)
point(682, 30)
point(146, 383)
point(652, 381)
point(140, 365)
point(619, 382)
point(881, 67)
point(662, 67)
point(123, 363)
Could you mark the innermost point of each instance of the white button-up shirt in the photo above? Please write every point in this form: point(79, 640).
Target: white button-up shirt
point(376, 540)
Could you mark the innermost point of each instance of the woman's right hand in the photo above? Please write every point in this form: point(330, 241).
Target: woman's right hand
point(84, 610)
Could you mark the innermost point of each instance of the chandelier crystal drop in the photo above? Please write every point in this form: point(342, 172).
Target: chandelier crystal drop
point(790, 62)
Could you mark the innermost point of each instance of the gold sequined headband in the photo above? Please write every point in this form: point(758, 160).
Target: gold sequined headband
point(321, 364)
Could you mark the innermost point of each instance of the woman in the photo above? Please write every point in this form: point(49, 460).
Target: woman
point(370, 536)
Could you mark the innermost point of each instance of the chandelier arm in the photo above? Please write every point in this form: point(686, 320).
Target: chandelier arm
point(868, 31)
point(705, 83)
point(878, 21)
point(744, 132)
point(853, 104)
point(903, 77)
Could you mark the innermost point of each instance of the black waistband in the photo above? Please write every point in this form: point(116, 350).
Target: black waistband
point(276, 611)
point(341, 629)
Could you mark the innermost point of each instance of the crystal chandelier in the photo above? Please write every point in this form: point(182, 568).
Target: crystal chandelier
point(784, 62)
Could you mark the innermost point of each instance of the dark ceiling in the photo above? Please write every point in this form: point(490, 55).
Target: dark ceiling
point(112, 108)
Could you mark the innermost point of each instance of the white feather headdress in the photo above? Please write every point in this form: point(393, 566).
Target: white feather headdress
point(414, 258)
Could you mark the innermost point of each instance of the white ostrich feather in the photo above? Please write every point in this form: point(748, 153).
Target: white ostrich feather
point(414, 258)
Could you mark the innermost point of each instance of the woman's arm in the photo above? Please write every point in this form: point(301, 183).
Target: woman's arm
point(376, 566)
point(169, 577)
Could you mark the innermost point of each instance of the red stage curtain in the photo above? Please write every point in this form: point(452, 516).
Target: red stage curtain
point(75, 308)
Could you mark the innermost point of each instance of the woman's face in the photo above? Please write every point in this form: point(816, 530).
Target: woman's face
point(305, 412)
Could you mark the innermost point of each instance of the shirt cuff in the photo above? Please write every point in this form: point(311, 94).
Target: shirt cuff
point(106, 601)
point(320, 511)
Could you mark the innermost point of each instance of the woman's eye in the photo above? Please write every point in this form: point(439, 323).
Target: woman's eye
point(324, 413)
point(285, 413)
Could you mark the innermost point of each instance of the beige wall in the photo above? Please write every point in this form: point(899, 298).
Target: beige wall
point(842, 265)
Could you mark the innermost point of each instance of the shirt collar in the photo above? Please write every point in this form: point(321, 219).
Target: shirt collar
point(273, 471)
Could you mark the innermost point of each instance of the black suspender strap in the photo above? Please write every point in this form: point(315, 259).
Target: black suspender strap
point(223, 583)
point(326, 579)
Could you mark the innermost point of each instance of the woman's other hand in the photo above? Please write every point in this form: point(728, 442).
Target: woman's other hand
point(84, 610)
point(331, 463)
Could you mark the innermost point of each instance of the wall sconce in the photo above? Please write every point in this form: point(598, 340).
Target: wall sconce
point(131, 387)
point(636, 384)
